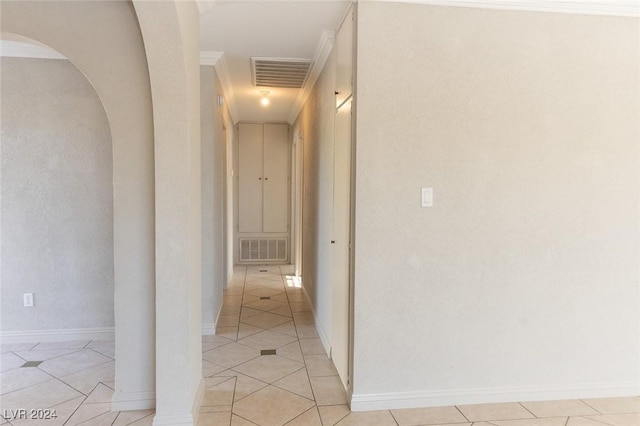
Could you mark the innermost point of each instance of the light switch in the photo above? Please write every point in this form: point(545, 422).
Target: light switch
point(427, 197)
point(28, 300)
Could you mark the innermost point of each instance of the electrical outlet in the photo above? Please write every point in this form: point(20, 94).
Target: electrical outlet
point(28, 300)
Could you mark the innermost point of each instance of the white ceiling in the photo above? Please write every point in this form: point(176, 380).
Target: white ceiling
point(284, 29)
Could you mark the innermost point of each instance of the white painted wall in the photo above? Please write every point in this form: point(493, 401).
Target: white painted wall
point(316, 124)
point(170, 33)
point(522, 281)
point(210, 299)
point(213, 163)
point(119, 73)
point(57, 198)
point(229, 193)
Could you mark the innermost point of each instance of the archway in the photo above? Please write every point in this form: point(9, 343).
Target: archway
point(118, 71)
point(57, 210)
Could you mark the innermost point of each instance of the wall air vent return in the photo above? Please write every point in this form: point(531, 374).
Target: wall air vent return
point(280, 72)
point(263, 249)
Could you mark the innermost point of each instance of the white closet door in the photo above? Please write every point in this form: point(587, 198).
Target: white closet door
point(250, 177)
point(276, 173)
point(342, 203)
point(341, 236)
point(344, 60)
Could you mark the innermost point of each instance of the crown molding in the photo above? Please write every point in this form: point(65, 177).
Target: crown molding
point(210, 57)
point(325, 45)
point(18, 49)
point(218, 61)
point(205, 5)
point(630, 8)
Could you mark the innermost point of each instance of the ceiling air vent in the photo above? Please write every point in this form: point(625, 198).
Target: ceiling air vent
point(280, 72)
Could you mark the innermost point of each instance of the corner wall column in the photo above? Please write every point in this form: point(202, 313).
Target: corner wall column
point(170, 31)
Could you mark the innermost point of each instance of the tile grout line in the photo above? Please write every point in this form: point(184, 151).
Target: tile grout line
point(141, 418)
point(46, 381)
point(462, 414)
point(529, 411)
point(66, 384)
point(244, 419)
point(233, 399)
point(76, 372)
point(100, 353)
point(394, 418)
point(304, 412)
point(85, 422)
point(73, 351)
point(77, 408)
point(341, 418)
point(590, 406)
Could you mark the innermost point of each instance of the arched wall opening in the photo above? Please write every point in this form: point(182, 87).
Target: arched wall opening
point(103, 40)
point(57, 202)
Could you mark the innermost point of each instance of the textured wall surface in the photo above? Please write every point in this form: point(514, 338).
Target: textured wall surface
point(57, 198)
point(171, 32)
point(316, 124)
point(119, 72)
point(207, 148)
point(213, 169)
point(523, 277)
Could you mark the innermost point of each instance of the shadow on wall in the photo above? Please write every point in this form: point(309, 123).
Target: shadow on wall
point(57, 199)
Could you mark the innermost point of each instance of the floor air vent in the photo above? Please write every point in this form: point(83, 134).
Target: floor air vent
point(280, 72)
point(263, 249)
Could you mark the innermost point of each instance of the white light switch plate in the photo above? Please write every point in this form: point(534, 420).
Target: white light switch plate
point(427, 197)
point(28, 300)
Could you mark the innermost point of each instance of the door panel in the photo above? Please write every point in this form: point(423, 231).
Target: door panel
point(276, 174)
point(344, 60)
point(341, 234)
point(341, 314)
point(250, 177)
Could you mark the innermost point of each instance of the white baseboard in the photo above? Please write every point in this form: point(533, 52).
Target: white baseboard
point(323, 335)
point(197, 401)
point(440, 398)
point(184, 420)
point(57, 335)
point(208, 329)
point(127, 401)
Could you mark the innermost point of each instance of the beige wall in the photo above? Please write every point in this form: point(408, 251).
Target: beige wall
point(315, 123)
point(213, 121)
point(57, 198)
point(119, 73)
point(522, 280)
point(170, 31)
point(210, 298)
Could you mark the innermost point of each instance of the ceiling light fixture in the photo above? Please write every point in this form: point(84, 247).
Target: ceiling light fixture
point(265, 100)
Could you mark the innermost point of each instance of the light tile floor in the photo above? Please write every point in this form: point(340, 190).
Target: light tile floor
point(264, 309)
point(74, 378)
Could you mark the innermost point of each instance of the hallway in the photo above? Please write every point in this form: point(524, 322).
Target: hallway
point(267, 365)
